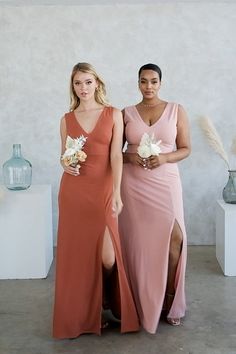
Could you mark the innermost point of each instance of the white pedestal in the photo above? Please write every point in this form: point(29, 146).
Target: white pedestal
point(226, 237)
point(26, 238)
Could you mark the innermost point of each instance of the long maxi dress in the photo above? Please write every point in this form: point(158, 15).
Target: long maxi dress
point(152, 203)
point(85, 210)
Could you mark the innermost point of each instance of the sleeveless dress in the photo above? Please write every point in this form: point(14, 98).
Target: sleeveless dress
point(152, 203)
point(85, 210)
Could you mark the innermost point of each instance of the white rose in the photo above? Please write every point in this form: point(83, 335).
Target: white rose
point(155, 149)
point(144, 151)
point(145, 140)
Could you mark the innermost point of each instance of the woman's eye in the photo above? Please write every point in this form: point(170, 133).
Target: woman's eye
point(151, 82)
point(89, 82)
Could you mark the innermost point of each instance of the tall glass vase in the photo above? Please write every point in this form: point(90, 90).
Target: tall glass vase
point(229, 191)
point(17, 172)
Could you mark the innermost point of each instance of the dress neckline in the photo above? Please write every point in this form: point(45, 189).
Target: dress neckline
point(150, 126)
point(94, 128)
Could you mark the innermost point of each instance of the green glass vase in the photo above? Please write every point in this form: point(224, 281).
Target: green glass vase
point(17, 172)
point(229, 191)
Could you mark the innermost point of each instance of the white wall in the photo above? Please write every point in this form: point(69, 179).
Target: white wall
point(191, 41)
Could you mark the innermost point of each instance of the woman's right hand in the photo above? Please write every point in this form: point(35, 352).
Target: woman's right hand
point(74, 171)
point(133, 158)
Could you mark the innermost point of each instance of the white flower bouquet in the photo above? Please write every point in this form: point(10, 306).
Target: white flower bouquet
point(148, 146)
point(74, 153)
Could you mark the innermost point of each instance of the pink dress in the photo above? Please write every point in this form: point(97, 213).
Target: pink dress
point(152, 203)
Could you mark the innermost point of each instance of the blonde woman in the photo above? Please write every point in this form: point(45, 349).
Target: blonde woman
point(88, 248)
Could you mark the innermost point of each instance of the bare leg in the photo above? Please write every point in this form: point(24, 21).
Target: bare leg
point(174, 255)
point(108, 253)
point(109, 280)
point(108, 261)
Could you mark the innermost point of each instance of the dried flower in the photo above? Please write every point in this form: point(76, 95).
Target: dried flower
point(213, 138)
point(233, 146)
point(74, 153)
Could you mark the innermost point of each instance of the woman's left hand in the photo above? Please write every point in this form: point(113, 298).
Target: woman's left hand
point(155, 161)
point(117, 204)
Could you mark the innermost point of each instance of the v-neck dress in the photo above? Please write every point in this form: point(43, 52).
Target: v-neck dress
point(152, 203)
point(85, 210)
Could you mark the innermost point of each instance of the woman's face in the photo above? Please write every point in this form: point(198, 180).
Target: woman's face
point(84, 85)
point(149, 83)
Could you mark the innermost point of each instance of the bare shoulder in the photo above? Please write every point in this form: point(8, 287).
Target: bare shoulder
point(63, 118)
point(116, 110)
point(181, 109)
point(182, 114)
point(63, 121)
point(117, 114)
point(63, 125)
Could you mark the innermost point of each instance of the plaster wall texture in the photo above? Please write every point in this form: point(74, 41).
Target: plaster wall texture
point(194, 44)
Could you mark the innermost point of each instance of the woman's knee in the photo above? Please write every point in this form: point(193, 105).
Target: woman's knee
point(108, 261)
point(176, 242)
point(108, 253)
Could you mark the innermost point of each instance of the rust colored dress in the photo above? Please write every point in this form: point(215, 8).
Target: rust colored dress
point(85, 210)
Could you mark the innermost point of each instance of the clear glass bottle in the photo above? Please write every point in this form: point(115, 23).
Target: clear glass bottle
point(17, 172)
point(229, 191)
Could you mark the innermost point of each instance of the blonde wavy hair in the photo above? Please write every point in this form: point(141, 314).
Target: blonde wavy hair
point(100, 92)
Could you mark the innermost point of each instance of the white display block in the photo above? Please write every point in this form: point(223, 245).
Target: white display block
point(226, 237)
point(26, 237)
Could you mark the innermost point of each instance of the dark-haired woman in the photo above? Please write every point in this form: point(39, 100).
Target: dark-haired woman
point(151, 223)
